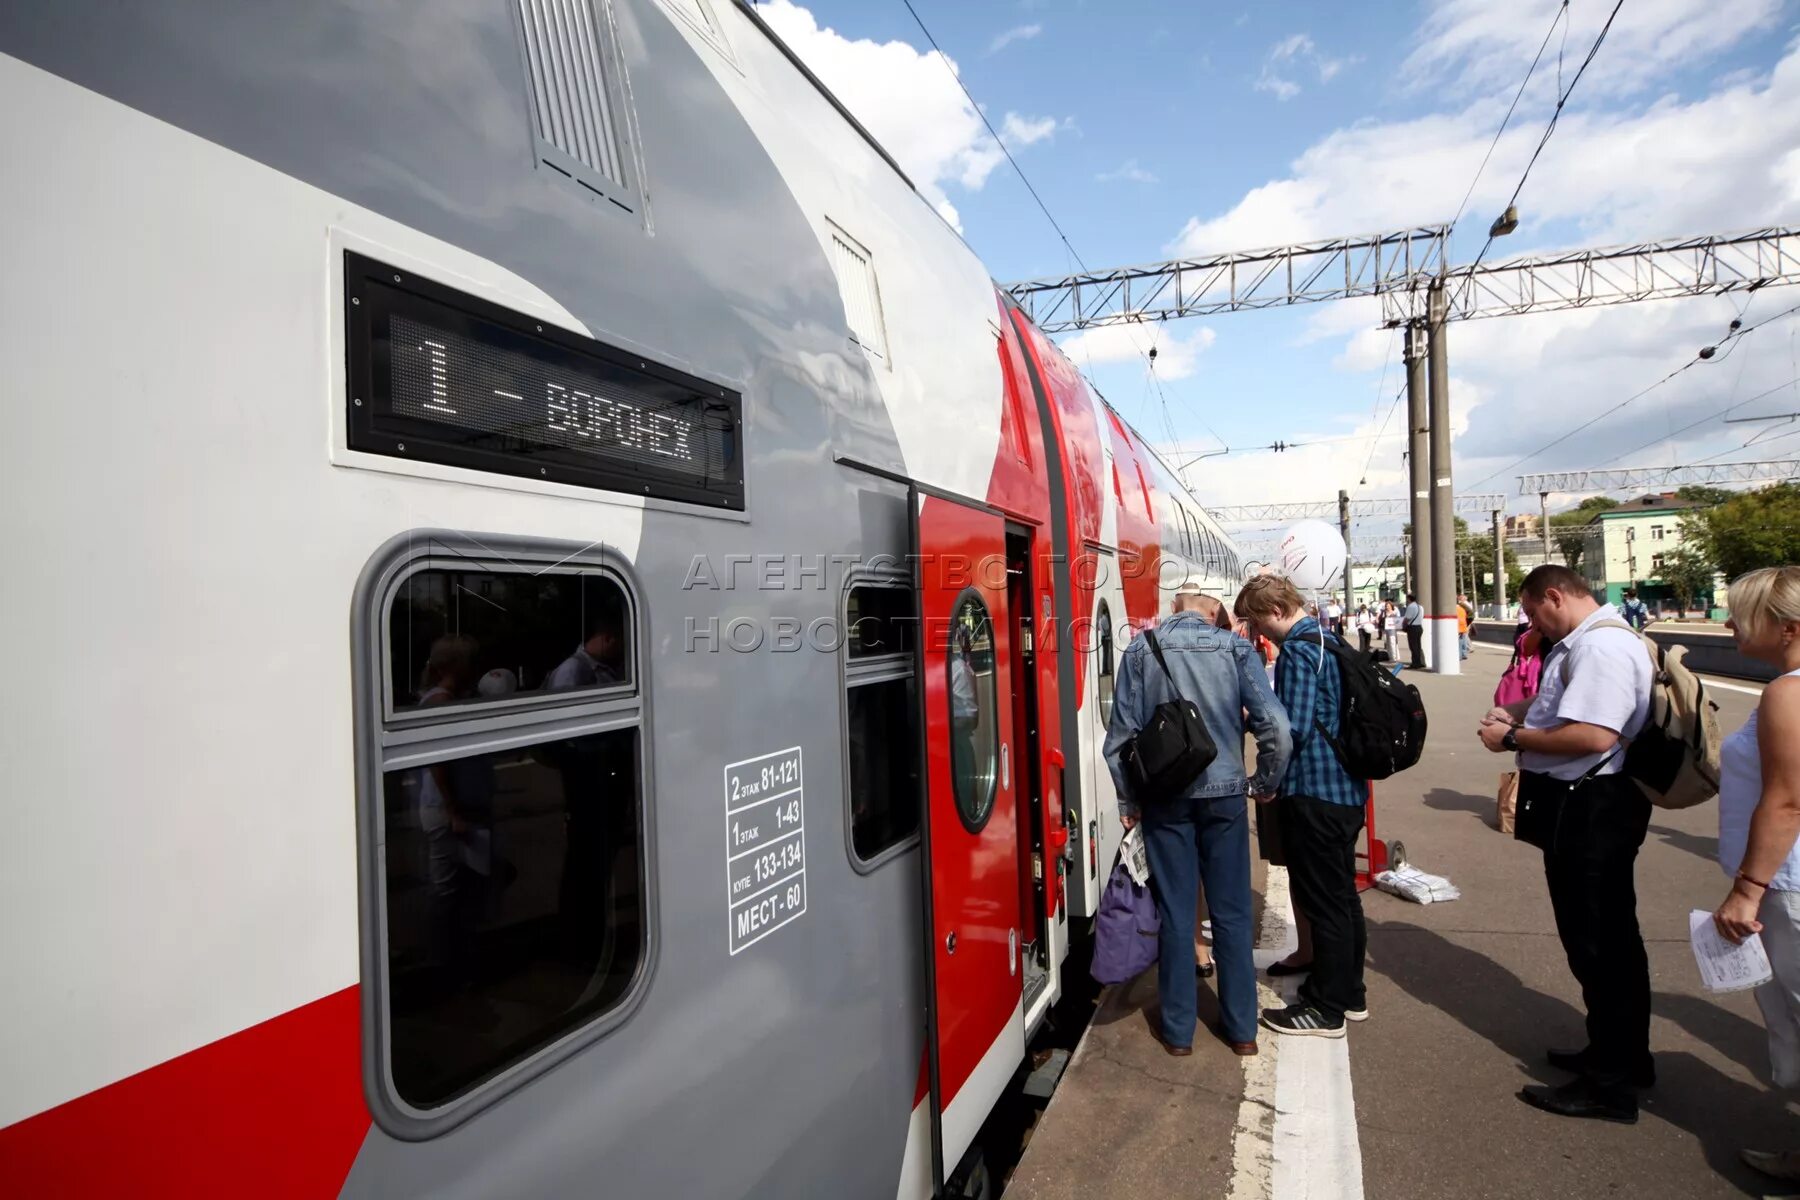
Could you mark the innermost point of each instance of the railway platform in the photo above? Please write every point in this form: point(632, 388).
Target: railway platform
point(1420, 1100)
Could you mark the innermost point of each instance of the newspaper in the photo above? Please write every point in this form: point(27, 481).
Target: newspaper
point(1725, 967)
point(1409, 883)
point(1134, 856)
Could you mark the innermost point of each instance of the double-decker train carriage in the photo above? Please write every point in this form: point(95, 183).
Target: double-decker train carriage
point(561, 627)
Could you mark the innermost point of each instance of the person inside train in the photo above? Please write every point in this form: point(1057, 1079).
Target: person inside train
point(1202, 836)
point(599, 660)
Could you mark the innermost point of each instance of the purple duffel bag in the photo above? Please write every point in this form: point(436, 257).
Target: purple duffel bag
point(1125, 929)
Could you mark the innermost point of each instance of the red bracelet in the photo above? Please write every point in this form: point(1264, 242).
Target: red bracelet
point(1747, 879)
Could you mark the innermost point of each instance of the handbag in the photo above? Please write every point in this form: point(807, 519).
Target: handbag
point(1125, 930)
point(1164, 758)
point(1506, 804)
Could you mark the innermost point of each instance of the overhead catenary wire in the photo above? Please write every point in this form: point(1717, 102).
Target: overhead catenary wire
point(1560, 18)
point(1555, 116)
point(1149, 358)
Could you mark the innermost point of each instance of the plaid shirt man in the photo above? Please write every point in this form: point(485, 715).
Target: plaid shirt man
point(1309, 687)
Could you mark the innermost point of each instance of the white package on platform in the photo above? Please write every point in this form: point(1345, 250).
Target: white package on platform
point(1409, 883)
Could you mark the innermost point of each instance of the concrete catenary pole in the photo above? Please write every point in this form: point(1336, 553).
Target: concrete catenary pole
point(1344, 528)
point(1441, 608)
point(1499, 569)
point(1544, 521)
point(1418, 461)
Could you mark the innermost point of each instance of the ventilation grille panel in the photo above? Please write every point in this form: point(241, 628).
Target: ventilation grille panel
point(862, 302)
point(568, 70)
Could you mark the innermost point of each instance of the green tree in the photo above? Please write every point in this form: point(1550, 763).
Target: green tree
point(1479, 551)
point(1569, 529)
point(1748, 531)
point(1689, 574)
point(1701, 494)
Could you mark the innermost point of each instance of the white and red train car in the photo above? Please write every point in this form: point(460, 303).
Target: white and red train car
point(560, 626)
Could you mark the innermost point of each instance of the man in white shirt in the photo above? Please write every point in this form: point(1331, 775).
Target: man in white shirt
point(1589, 819)
point(1412, 621)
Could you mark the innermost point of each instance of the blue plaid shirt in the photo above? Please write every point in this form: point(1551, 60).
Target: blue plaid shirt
point(1309, 687)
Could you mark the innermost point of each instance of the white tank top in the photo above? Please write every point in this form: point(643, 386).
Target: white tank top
point(1740, 790)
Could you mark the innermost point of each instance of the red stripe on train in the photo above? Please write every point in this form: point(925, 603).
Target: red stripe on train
point(275, 1110)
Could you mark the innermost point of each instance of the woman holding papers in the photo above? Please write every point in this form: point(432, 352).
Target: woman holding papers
point(1759, 817)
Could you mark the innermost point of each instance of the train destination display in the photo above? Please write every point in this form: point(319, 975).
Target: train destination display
point(440, 376)
point(765, 845)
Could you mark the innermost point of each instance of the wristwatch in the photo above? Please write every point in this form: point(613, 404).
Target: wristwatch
point(1511, 740)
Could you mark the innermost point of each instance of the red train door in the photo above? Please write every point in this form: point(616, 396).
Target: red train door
point(975, 1032)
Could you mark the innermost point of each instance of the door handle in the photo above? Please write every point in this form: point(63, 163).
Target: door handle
point(1005, 768)
point(950, 942)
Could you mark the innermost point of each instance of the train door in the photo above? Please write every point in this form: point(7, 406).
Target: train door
point(975, 1030)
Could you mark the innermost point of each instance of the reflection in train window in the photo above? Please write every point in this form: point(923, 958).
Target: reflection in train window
point(463, 635)
point(515, 905)
point(1103, 652)
point(882, 719)
point(974, 712)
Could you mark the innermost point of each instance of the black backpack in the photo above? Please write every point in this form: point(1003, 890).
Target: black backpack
point(1381, 719)
point(1171, 750)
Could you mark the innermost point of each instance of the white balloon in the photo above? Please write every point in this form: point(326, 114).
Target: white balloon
point(1313, 556)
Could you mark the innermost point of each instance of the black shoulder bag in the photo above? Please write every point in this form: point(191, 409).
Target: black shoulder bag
point(1172, 749)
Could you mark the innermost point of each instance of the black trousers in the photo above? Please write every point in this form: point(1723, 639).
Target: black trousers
point(1366, 637)
point(1415, 640)
point(1590, 868)
point(1319, 840)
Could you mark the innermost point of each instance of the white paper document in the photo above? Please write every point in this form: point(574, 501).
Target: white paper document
point(1723, 966)
point(1136, 857)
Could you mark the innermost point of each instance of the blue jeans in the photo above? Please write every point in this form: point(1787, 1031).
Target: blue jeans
point(1463, 644)
point(1193, 843)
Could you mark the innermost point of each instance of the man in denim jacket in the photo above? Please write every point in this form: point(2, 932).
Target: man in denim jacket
point(1202, 837)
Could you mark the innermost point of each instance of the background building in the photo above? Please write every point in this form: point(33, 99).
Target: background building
point(1626, 547)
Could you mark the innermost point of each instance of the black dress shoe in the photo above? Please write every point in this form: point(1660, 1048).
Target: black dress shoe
point(1577, 1062)
point(1584, 1098)
point(1277, 969)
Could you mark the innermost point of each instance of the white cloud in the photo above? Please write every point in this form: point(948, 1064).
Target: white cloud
point(1294, 53)
point(1018, 131)
point(1623, 166)
point(910, 101)
point(1130, 172)
point(1479, 45)
point(1018, 33)
point(1724, 161)
point(1176, 356)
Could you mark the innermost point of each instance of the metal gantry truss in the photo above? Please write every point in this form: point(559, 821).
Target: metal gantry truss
point(1328, 509)
point(1399, 267)
point(1196, 287)
point(1623, 478)
point(1735, 262)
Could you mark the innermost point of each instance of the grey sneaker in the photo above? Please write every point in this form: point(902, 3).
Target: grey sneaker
point(1777, 1164)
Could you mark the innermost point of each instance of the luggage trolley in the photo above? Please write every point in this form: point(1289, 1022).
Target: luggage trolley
point(1379, 856)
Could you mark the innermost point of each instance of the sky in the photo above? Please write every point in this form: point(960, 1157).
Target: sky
point(1158, 129)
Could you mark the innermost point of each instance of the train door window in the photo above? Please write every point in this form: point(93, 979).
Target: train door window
point(503, 794)
point(578, 96)
point(1103, 668)
point(882, 715)
point(974, 711)
point(862, 296)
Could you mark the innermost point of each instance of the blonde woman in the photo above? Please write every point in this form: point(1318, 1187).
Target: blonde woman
point(1759, 817)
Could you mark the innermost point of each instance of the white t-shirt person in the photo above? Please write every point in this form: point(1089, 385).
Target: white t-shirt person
point(1608, 685)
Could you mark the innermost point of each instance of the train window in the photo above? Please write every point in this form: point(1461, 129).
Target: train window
point(879, 621)
point(882, 717)
point(974, 712)
point(509, 914)
point(514, 905)
point(1103, 668)
point(578, 97)
point(467, 635)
